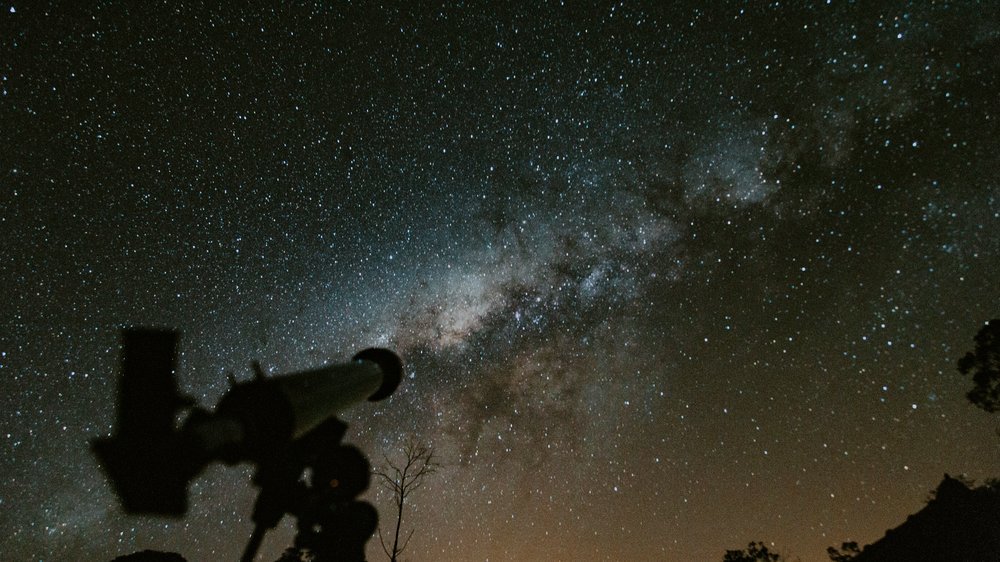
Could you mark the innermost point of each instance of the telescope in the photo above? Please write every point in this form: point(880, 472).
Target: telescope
point(283, 424)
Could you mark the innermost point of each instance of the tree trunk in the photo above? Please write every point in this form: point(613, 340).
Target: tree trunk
point(395, 541)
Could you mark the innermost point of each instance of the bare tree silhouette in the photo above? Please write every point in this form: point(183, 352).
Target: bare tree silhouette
point(402, 480)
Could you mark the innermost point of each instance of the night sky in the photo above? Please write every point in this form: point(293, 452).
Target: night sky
point(668, 277)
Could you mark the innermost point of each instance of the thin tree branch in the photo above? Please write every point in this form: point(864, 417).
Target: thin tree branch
point(385, 549)
point(407, 541)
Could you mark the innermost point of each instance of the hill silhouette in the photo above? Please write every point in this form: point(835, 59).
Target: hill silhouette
point(958, 524)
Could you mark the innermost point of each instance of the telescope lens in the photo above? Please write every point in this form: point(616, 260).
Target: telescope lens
point(390, 365)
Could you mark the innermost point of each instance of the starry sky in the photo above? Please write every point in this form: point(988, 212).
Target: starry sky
point(668, 277)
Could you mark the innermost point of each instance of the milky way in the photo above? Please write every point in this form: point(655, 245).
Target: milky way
point(666, 279)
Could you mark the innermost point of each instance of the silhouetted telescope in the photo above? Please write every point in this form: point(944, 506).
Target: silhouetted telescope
point(152, 457)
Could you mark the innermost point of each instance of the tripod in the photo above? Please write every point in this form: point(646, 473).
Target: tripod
point(331, 522)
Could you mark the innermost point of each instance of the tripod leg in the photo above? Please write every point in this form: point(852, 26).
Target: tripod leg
point(256, 538)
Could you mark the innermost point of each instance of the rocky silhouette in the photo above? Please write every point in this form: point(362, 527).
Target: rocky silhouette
point(959, 524)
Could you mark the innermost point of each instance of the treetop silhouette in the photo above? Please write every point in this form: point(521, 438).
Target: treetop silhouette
point(984, 364)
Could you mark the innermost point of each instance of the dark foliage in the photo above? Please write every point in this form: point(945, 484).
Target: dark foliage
point(755, 552)
point(984, 364)
point(847, 552)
